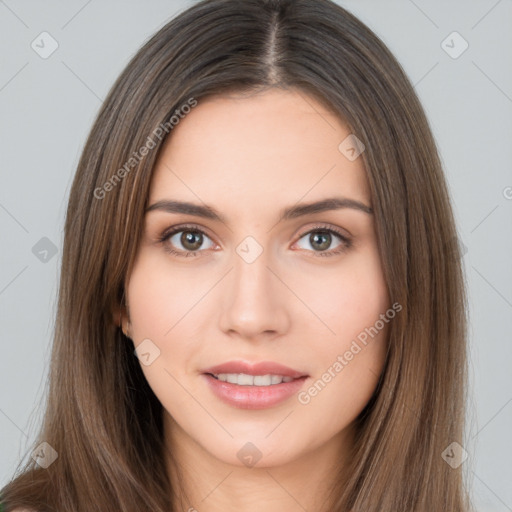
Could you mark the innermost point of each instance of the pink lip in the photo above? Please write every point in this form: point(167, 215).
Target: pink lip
point(262, 368)
point(254, 397)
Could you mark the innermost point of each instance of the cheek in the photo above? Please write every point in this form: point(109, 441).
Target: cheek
point(161, 297)
point(156, 308)
point(346, 370)
point(348, 299)
point(349, 362)
point(164, 305)
point(149, 306)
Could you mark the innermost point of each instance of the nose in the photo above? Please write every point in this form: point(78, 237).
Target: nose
point(254, 300)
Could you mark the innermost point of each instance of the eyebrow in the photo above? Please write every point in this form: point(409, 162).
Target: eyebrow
point(292, 212)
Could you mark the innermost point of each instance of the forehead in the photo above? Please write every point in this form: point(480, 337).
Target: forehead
point(258, 152)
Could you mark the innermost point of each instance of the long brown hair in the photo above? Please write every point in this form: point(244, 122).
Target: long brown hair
point(101, 416)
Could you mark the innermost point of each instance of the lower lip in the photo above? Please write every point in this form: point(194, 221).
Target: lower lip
point(253, 397)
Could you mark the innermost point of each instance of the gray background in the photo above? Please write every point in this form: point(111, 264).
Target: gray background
point(47, 108)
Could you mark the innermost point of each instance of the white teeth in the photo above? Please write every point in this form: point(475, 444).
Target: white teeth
point(245, 380)
point(242, 379)
point(276, 379)
point(229, 378)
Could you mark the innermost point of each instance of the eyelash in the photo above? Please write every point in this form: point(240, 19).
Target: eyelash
point(346, 243)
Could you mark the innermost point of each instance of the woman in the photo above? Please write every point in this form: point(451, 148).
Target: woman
point(261, 299)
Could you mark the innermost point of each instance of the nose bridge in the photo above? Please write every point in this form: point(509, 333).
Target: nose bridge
point(252, 302)
point(251, 275)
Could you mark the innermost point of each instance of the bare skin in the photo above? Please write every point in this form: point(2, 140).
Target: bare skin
point(249, 158)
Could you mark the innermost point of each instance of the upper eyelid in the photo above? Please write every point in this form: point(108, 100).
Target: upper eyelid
point(187, 227)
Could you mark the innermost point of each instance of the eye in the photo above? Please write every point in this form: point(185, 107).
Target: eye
point(191, 239)
point(320, 238)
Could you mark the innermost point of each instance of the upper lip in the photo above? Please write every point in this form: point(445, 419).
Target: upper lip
point(261, 368)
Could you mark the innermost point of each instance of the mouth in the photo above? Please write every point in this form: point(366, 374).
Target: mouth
point(244, 379)
point(253, 386)
point(246, 370)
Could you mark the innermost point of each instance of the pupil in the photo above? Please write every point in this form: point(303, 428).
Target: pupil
point(315, 237)
point(187, 239)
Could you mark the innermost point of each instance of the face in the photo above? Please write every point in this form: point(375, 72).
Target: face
point(303, 290)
